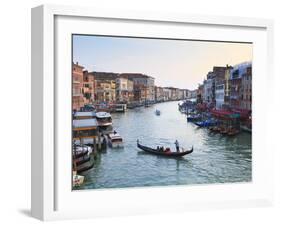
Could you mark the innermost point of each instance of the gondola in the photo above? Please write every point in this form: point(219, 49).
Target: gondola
point(85, 167)
point(83, 160)
point(79, 154)
point(164, 153)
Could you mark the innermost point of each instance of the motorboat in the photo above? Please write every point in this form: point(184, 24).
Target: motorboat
point(115, 140)
point(104, 122)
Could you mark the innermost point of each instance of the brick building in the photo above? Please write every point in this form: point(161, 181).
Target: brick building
point(246, 89)
point(88, 87)
point(241, 86)
point(77, 87)
point(105, 86)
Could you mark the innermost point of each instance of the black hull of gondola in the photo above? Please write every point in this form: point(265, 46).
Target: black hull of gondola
point(163, 153)
point(85, 168)
point(84, 160)
point(80, 154)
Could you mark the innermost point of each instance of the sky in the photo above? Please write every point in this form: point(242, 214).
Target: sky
point(178, 63)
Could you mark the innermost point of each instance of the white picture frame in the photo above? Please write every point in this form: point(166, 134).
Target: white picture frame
point(51, 197)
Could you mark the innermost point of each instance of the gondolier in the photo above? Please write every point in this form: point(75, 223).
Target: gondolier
point(177, 145)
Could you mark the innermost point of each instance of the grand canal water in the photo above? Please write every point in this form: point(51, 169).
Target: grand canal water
point(216, 158)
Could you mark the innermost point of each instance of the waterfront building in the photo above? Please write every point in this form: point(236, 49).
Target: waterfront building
point(124, 90)
point(105, 86)
point(173, 93)
point(219, 94)
point(77, 87)
point(185, 93)
point(219, 86)
point(159, 93)
point(167, 94)
point(105, 91)
point(208, 92)
point(143, 86)
point(193, 94)
point(237, 99)
point(219, 74)
point(246, 89)
point(88, 87)
point(188, 94)
point(199, 94)
point(181, 94)
point(227, 86)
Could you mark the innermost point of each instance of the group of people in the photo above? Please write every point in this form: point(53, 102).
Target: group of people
point(168, 149)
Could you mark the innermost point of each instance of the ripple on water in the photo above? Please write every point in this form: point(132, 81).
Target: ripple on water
point(216, 158)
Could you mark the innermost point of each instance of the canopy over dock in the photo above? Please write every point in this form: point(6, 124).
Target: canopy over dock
point(84, 123)
point(224, 114)
point(84, 114)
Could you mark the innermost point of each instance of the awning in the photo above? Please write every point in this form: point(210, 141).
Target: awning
point(224, 114)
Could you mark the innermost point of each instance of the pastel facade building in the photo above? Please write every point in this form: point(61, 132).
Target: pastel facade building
point(227, 86)
point(167, 94)
point(219, 95)
point(88, 87)
point(143, 86)
point(240, 86)
point(105, 86)
point(246, 89)
point(209, 88)
point(124, 90)
point(159, 93)
point(77, 87)
point(199, 95)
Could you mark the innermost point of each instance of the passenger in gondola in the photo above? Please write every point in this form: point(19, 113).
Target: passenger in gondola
point(162, 148)
point(177, 146)
point(158, 149)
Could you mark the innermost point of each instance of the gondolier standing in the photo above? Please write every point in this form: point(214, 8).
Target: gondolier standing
point(177, 146)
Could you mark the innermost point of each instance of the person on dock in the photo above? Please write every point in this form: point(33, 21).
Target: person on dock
point(177, 145)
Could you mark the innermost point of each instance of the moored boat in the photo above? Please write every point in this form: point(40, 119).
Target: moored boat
point(246, 128)
point(120, 107)
point(77, 180)
point(193, 117)
point(81, 150)
point(104, 122)
point(83, 168)
point(214, 128)
point(80, 153)
point(232, 132)
point(104, 118)
point(206, 123)
point(80, 161)
point(167, 152)
point(223, 130)
point(115, 140)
